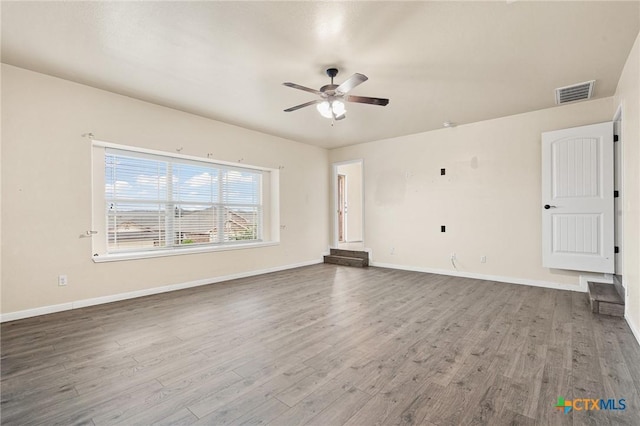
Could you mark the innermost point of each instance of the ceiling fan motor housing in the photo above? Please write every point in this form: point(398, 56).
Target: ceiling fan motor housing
point(329, 89)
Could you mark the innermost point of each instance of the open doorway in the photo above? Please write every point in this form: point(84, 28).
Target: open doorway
point(349, 205)
point(342, 208)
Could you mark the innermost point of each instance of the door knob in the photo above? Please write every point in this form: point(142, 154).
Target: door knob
point(547, 207)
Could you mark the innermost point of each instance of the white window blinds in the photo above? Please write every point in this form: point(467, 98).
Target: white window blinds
point(156, 202)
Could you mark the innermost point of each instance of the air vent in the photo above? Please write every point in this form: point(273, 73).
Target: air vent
point(575, 92)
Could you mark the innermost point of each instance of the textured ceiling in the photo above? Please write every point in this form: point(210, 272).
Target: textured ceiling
point(436, 61)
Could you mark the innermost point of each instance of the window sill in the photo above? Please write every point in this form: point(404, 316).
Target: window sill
point(179, 252)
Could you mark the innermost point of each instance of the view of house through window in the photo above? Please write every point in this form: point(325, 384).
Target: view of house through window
point(158, 202)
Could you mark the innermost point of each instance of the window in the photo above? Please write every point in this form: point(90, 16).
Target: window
point(162, 203)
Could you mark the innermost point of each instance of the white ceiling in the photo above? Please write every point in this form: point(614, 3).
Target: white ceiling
point(436, 61)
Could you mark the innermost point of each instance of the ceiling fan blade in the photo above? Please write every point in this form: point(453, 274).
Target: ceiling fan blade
point(306, 104)
point(366, 100)
point(306, 89)
point(352, 82)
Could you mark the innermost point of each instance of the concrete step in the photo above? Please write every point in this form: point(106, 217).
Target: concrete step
point(605, 300)
point(345, 261)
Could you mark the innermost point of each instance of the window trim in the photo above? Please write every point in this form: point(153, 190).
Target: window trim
point(102, 144)
point(132, 255)
point(99, 253)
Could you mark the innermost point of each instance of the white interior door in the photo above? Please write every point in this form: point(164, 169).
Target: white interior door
point(577, 199)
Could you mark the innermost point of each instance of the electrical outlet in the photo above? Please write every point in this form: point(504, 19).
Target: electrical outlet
point(62, 280)
point(392, 251)
point(483, 259)
point(453, 256)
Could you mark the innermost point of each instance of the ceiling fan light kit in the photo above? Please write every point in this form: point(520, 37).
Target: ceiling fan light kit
point(329, 109)
point(332, 96)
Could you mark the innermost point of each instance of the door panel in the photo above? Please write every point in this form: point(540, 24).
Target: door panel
point(576, 163)
point(576, 233)
point(577, 195)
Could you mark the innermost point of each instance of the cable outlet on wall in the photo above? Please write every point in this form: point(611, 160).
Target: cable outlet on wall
point(483, 259)
point(62, 280)
point(453, 256)
point(392, 251)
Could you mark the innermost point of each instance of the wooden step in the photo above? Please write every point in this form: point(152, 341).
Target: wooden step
point(605, 300)
point(351, 253)
point(345, 261)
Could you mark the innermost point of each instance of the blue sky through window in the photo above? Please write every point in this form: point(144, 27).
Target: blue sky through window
point(145, 180)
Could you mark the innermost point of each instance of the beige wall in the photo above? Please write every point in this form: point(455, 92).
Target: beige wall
point(46, 191)
point(489, 199)
point(353, 172)
point(628, 95)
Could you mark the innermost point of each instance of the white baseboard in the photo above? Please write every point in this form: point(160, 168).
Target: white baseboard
point(582, 287)
point(584, 280)
point(27, 313)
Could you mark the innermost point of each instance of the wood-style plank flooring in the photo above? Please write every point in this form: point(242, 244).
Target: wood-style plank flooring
point(323, 345)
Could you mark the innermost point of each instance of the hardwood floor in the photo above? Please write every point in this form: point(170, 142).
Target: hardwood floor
point(323, 345)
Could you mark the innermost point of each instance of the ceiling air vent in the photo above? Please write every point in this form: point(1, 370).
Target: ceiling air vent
point(575, 92)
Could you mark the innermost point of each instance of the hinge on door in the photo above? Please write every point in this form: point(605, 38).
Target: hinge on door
point(616, 194)
point(615, 138)
point(616, 249)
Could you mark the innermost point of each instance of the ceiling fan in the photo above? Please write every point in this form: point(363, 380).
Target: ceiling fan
point(333, 96)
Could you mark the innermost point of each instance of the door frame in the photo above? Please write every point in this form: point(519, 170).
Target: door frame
point(618, 181)
point(334, 206)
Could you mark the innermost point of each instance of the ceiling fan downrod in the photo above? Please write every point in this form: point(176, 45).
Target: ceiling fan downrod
point(332, 72)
